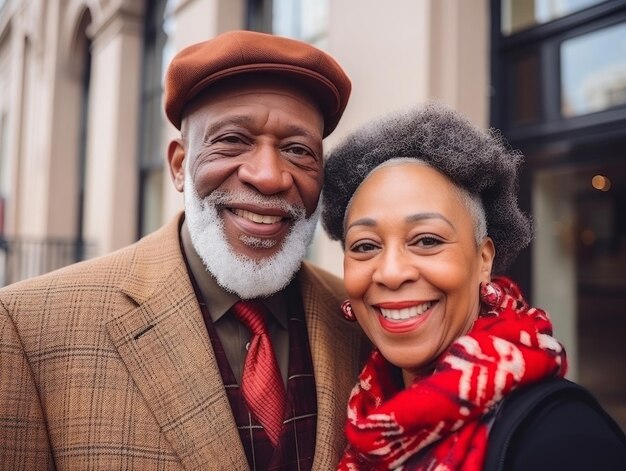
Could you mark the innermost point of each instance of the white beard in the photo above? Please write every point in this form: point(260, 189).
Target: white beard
point(246, 277)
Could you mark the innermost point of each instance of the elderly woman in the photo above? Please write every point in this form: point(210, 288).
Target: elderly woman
point(425, 206)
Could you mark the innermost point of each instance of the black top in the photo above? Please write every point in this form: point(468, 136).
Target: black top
point(554, 425)
point(569, 435)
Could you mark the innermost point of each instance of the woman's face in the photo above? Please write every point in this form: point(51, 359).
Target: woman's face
point(412, 268)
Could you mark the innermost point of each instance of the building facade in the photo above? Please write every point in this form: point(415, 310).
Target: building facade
point(83, 136)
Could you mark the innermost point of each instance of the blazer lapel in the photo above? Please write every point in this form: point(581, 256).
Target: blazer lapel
point(335, 350)
point(165, 346)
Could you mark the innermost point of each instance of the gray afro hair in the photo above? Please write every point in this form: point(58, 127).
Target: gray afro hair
point(480, 162)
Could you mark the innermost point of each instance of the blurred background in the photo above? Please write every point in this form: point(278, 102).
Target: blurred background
point(83, 135)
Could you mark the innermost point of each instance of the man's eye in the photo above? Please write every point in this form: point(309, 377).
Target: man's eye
point(233, 140)
point(298, 150)
point(229, 139)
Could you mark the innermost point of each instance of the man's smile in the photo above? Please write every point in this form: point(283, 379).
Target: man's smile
point(255, 217)
point(258, 221)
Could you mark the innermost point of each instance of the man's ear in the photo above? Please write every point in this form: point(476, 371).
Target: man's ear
point(487, 254)
point(176, 160)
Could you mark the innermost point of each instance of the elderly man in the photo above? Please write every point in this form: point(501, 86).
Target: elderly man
point(208, 344)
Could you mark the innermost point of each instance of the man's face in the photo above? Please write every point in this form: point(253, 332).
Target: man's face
point(252, 155)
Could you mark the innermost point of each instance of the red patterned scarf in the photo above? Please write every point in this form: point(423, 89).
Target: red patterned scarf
point(441, 422)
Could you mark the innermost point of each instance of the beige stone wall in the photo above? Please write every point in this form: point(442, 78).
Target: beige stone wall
point(113, 123)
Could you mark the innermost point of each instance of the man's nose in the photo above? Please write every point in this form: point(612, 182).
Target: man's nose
point(395, 268)
point(266, 170)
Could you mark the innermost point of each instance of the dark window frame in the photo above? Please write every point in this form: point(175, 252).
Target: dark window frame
point(546, 40)
point(554, 140)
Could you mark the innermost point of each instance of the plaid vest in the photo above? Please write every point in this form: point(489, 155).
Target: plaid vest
point(297, 440)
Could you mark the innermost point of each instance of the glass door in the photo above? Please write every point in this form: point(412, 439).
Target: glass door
point(579, 270)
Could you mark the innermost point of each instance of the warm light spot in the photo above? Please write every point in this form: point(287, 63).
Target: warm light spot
point(587, 237)
point(600, 182)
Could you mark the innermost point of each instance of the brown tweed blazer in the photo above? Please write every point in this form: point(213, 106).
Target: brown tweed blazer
point(107, 365)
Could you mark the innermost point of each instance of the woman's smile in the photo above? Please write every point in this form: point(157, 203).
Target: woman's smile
point(402, 311)
point(402, 317)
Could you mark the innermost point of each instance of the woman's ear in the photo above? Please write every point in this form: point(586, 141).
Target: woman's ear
point(487, 252)
point(176, 160)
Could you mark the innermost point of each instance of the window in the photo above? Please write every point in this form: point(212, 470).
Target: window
point(593, 71)
point(561, 77)
point(518, 15)
point(301, 19)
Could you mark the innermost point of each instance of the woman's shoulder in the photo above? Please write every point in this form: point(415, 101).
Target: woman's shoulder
point(557, 425)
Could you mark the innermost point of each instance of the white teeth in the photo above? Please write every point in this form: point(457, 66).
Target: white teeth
point(405, 313)
point(258, 218)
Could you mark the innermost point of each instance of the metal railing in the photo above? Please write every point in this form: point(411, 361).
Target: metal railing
point(22, 258)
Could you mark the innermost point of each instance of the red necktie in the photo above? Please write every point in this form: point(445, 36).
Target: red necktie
point(262, 385)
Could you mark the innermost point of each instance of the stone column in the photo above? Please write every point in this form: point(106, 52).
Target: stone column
point(112, 142)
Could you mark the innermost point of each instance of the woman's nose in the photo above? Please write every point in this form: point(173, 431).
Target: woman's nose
point(266, 170)
point(395, 268)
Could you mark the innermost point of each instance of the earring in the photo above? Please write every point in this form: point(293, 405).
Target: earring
point(490, 294)
point(348, 313)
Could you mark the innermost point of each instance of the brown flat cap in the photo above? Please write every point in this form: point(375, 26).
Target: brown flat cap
point(234, 53)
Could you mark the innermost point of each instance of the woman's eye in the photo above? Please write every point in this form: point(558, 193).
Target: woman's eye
point(427, 241)
point(363, 247)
